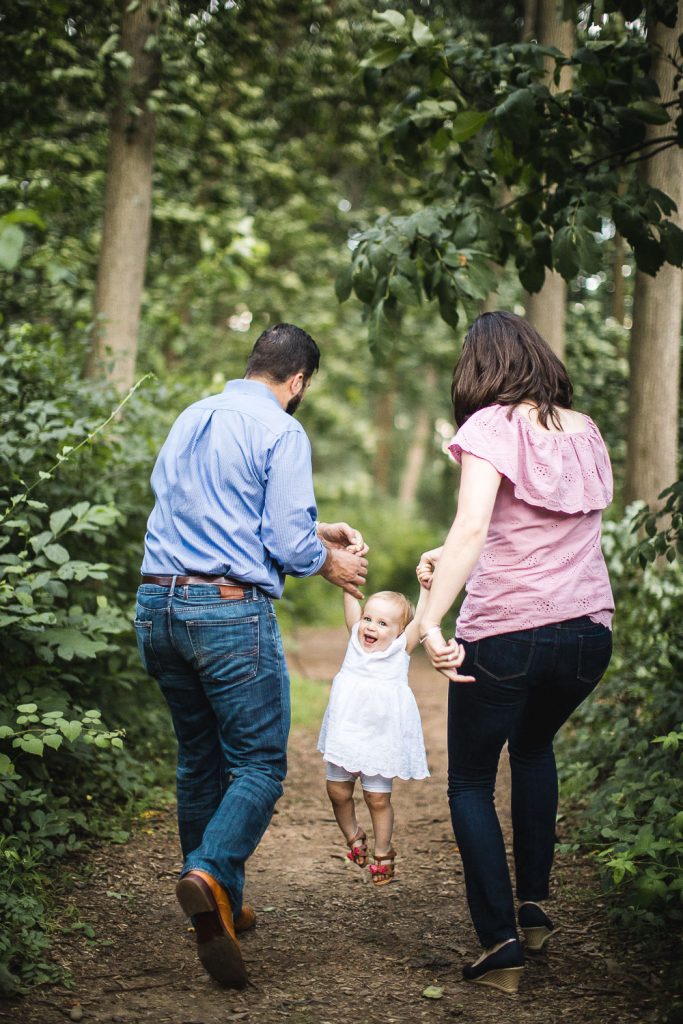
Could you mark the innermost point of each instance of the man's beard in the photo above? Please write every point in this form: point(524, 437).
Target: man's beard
point(294, 403)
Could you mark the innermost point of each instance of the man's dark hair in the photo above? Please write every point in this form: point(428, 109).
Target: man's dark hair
point(505, 361)
point(281, 351)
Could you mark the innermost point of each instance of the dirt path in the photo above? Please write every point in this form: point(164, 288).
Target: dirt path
point(329, 948)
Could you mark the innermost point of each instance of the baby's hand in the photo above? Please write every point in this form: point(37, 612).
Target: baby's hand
point(426, 565)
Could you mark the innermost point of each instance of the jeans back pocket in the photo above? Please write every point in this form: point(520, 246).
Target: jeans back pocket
point(504, 657)
point(226, 649)
point(595, 652)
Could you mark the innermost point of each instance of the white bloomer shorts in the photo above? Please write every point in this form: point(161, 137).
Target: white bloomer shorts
point(370, 783)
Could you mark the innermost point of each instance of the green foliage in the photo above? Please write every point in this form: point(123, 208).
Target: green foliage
point(667, 541)
point(71, 494)
point(309, 700)
point(502, 167)
point(623, 751)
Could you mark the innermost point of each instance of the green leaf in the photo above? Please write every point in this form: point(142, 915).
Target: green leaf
point(6, 765)
point(432, 992)
point(59, 519)
point(56, 553)
point(27, 709)
point(421, 33)
point(343, 283)
point(468, 123)
point(6, 731)
point(71, 643)
point(11, 244)
point(565, 255)
point(515, 115)
point(404, 290)
point(22, 216)
point(71, 730)
point(651, 113)
point(53, 740)
point(391, 17)
point(383, 56)
point(31, 745)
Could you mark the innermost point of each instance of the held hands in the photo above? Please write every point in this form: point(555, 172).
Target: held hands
point(445, 656)
point(426, 565)
point(341, 535)
point(345, 565)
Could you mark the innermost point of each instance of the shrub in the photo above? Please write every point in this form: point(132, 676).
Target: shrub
point(70, 540)
point(622, 753)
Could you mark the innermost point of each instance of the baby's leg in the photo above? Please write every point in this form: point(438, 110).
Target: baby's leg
point(378, 799)
point(341, 797)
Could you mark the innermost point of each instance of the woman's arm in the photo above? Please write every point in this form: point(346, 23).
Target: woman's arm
point(351, 610)
point(479, 483)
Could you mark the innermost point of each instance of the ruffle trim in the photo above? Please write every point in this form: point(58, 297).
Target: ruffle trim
point(566, 473)
point(405, 774)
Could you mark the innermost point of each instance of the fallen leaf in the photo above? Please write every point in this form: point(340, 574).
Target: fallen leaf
point(432, 992)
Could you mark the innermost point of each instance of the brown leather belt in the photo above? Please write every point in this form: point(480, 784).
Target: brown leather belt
point(231, 590)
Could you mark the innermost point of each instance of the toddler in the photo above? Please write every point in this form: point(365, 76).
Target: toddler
point(372, 727)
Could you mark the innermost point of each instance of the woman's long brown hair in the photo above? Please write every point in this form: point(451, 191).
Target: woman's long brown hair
point(504, 361)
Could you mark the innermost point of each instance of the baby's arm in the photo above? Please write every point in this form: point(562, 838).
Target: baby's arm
point(351, 610)
point(413, 628)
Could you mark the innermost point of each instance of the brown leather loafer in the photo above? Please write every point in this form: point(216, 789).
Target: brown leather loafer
point(246, 918)
point(206, 902)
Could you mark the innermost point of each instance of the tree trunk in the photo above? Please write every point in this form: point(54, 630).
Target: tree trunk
point(384, 428)
point(619, 293)
point(417, 450)
point(657, 306)
point(127, 204)
point(546, 309)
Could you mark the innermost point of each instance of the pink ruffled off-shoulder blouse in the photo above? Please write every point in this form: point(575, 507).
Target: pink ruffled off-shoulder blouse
point(542, 561)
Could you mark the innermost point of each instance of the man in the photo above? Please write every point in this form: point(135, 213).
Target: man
point(234, 514)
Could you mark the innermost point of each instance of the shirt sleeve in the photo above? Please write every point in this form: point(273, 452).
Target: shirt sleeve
point(489, 435)
point(288, 526)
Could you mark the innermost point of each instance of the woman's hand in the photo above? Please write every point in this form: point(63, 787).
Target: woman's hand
point(445, 656)
point(425, 567)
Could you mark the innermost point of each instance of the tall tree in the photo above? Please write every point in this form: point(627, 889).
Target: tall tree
point(128, 198)
point(544, 20)
point(658, 304)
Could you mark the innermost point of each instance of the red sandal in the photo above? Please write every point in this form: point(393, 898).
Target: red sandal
point(382, 868)
point(358, 847)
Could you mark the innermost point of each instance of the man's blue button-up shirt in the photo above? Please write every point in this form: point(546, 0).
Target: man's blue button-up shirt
point(233, 492)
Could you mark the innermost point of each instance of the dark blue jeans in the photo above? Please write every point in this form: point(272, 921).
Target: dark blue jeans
point(221, 668)
point(527, 684)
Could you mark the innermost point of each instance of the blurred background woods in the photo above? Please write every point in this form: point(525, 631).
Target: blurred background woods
point(176, 176)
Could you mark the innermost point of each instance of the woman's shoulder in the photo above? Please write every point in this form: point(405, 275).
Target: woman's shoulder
point(564, 470)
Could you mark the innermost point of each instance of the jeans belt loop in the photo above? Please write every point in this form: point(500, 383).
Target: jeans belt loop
point(171, 589)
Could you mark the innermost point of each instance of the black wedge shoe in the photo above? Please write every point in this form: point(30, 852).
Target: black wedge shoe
point(536, 926)
point(501, 970)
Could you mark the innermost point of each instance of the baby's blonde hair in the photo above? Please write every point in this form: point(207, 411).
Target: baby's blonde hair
point(406, 607)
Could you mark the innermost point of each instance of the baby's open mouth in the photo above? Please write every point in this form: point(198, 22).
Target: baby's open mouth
point(369, 639)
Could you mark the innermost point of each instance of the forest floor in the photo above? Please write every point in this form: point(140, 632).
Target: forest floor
point(329, 948)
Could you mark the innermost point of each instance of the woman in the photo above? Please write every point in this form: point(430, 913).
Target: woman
point(533, 634)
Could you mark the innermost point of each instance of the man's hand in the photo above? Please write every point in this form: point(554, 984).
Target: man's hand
point(341, 535)
point(346, 569)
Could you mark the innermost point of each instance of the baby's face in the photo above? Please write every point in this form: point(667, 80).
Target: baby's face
point(379, 624)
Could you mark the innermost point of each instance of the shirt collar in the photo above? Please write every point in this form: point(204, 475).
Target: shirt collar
point(250, 387)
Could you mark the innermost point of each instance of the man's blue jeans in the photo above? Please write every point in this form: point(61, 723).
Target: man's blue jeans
point(221, 668)
point(527, 684)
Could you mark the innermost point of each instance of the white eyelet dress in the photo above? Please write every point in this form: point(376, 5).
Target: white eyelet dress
point(372, 722)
